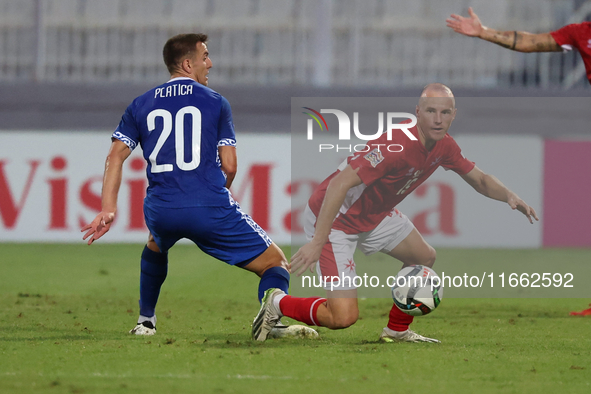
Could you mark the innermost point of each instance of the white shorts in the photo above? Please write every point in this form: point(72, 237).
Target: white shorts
point(336, 259)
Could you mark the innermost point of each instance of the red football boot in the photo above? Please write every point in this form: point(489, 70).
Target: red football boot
point(586, 312)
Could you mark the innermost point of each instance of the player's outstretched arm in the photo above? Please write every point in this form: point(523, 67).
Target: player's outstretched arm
point(111, 183)
point(515, 40)
point(335, 195)
point(490, 186)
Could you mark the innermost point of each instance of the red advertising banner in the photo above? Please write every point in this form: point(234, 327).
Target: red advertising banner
point(567, 191)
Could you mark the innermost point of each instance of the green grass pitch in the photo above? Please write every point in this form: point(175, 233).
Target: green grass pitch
point(65, 311)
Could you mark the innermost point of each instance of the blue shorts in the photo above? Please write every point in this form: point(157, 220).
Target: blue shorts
point(226, 233)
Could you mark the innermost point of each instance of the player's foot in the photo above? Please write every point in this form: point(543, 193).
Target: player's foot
point(267, 317)
point(586, 312)
point(388, 335)
point(294, 331)
point(143, 328)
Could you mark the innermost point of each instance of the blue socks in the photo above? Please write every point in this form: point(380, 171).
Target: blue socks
point(274, 277)
point(154, 269)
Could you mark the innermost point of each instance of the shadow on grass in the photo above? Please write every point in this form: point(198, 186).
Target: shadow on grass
point(41, 334)
point(224, 341)
point(47, 338)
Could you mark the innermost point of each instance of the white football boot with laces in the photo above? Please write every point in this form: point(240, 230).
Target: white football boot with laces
point(268, 316)
point(267, 323)
point(409, 335)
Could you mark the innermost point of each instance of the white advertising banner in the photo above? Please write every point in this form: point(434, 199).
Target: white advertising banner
point(50, 184)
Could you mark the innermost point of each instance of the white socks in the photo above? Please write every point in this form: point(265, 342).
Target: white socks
point(142, 319)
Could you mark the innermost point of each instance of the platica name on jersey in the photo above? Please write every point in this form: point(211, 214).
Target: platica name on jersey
point(173, 90)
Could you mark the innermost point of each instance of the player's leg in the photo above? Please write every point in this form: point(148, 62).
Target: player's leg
point(273, 269)
point(230, 235)
point(238, 240)
point(154, 267)
point(235, 238)
point(339, 309)
point(397, 237)
point(413, 250)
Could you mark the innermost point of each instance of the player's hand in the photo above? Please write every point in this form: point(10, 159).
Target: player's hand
point(99, 226)
point(517, 203)
point(305, 257)
point(470, 26)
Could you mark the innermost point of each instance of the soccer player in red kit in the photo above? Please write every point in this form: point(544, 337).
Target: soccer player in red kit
point(355, 207)
point(576, 35)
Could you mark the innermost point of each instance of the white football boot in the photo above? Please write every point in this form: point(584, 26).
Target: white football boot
point(409, 335)
point(294, 331)
point(145, 326)
point(267, 317)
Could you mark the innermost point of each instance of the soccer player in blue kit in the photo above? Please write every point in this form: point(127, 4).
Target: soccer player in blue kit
point(187, 137)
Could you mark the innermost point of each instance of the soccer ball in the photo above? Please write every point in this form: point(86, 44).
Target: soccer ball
point(417, 290)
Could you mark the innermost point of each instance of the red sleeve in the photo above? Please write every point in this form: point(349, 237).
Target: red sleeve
point(454, 160)
point(566, 35)
point(373, 165)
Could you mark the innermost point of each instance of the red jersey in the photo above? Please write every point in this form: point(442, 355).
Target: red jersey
point(577, 35)
point(388, 177)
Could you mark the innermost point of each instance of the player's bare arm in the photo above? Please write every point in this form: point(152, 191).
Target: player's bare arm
point(335, 196)
point(515, 40)
point(118, 153)
point(490, 186)
point(229, 162)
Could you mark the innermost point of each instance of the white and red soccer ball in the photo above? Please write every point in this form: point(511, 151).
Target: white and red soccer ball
point(417, 290)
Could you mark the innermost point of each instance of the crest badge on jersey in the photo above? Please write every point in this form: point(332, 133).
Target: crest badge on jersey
point(374, 157)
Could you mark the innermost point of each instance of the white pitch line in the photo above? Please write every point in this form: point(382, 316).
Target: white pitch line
point(261, 377)
point(160, 376)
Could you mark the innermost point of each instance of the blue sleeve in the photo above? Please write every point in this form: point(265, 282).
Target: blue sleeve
point(226, 134)
point(127, 131)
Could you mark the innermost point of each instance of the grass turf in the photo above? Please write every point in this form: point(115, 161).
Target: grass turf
point(65, 311)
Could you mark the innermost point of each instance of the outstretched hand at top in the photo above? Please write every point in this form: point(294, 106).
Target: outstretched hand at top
point(470, 26)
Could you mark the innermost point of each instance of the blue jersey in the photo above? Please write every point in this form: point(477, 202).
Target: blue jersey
point(180, 125)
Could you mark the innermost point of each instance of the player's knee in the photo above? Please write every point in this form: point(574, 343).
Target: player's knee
point(151, 244)
point(430, 257)
point(344, 320)
point(280, 260)
point(277, 258)
point(274, 257)
point(425, 256)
